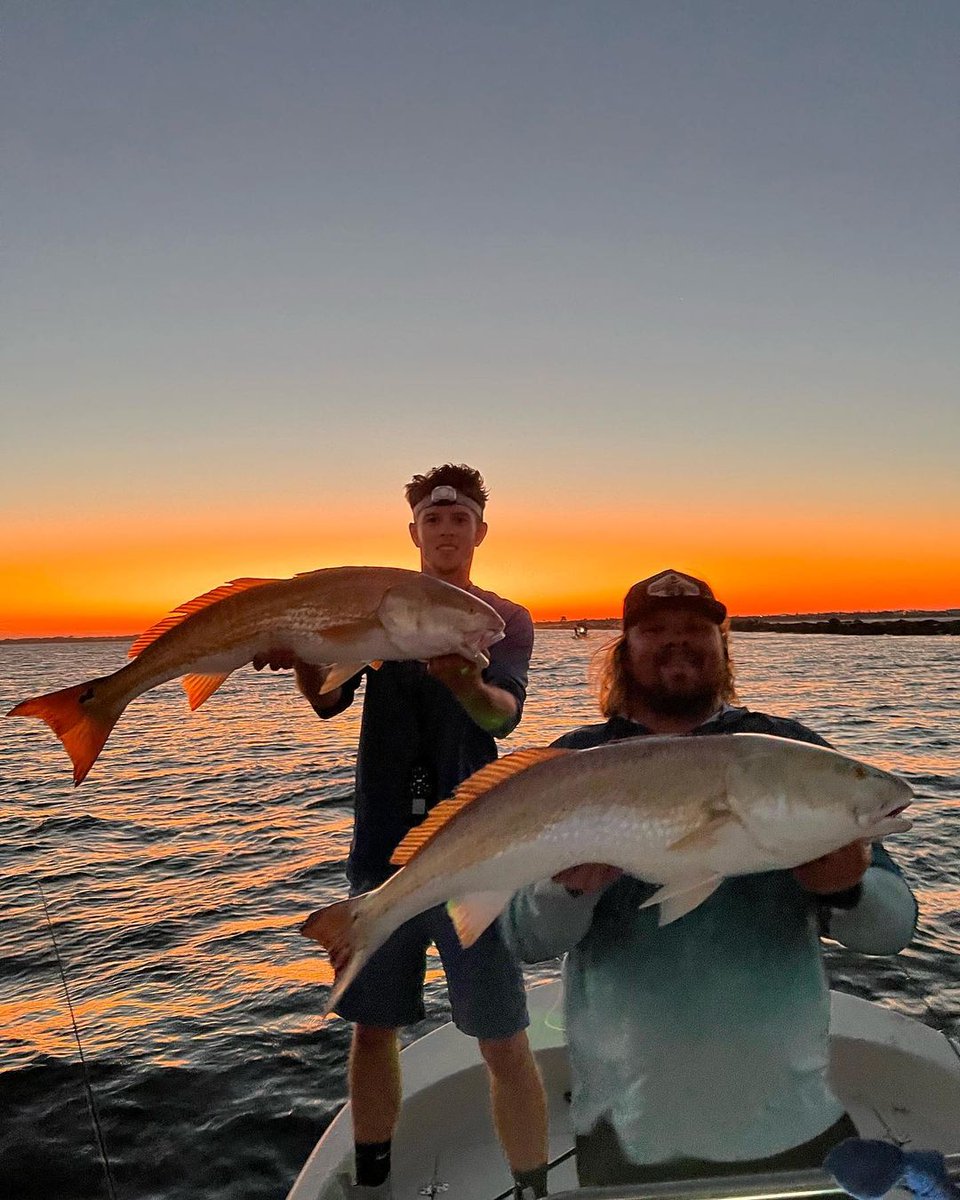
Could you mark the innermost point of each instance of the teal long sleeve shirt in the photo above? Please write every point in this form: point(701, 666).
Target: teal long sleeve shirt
point(708, 1037)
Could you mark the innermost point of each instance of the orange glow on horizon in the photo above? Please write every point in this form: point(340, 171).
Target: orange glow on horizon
point(116, 575)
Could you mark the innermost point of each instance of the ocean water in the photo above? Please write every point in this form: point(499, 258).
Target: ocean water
point(177, 874)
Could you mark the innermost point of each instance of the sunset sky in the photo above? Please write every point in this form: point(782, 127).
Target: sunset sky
point(680, 278)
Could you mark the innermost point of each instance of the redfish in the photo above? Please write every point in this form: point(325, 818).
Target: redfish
point(345, 617)
point(681, 812)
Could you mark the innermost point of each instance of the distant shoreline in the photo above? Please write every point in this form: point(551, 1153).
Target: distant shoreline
point(870, 627)
point(70, 637)
point(922, 623)
point(862, 624)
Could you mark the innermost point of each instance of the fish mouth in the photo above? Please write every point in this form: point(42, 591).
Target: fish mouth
point(867, 821)
point(476, 647)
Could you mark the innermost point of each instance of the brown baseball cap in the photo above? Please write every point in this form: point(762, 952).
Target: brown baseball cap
point(671, 589)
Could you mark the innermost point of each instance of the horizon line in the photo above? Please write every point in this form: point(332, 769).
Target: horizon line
point(558, 621)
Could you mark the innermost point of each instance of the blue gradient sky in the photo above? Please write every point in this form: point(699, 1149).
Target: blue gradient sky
point(629, 258)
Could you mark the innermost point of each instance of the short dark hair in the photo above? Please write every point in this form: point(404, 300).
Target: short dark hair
point(465, 479)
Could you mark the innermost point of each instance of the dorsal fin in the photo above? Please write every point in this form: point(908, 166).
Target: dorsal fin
point(471, 789)
point(183, 611)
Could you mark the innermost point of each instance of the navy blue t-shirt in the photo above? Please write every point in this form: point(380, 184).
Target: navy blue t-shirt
point(417, 743)
point(728, 720)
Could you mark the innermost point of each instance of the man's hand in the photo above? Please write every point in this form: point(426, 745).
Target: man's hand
point(278, 659)
point(492, 708)
point(835, 872)
point(309, 677)
point(588, 877)
point(458, 673)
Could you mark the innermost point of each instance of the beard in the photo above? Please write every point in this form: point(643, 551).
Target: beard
point(694, 697)
point(694, 704)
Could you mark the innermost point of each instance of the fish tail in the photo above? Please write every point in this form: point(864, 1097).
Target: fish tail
point(340, 929)
point(80, 717)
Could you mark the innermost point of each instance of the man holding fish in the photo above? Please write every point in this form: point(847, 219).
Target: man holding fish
point(698, 1045)
point(425, 728)
point(434, 704)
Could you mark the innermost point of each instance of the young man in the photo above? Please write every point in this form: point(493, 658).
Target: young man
point(700, 1048)
point(425, 728)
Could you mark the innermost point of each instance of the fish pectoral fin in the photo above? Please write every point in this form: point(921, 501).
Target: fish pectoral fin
point(678, 898)
point(340, 673)
point(473, 914)
point(347, 632)
point(201, 687)
point(704, 835)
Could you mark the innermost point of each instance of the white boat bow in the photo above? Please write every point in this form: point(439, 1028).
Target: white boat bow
point(898, 1078)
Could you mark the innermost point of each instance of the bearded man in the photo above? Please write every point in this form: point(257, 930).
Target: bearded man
point(700, 1048)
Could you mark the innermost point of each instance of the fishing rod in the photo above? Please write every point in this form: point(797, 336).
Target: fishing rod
point(91, 1102)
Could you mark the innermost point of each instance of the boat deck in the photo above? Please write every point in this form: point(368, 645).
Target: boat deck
point(898, 1079)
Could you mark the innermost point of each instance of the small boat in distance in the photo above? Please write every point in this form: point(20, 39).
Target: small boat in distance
point(579, 631)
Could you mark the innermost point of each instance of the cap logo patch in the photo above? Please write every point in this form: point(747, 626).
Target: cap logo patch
point(672, 584)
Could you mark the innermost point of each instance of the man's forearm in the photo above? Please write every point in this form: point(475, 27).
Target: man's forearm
point(492, 708)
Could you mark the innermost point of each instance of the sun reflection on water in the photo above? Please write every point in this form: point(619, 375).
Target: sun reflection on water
point(178, 873)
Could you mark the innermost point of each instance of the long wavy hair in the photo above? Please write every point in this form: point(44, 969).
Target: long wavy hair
point(614, 684)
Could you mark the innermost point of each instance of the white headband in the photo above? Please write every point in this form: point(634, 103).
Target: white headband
point(445, 494)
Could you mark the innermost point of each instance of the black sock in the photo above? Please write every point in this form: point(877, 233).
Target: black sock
point(535, 1179)
point(372, 1161)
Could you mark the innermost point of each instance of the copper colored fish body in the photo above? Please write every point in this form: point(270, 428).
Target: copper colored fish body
point(681, 812)
point(342, 617)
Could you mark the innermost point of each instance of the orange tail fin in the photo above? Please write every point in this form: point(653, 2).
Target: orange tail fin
point(78, 718)
point(331, 926)
point(338, 929)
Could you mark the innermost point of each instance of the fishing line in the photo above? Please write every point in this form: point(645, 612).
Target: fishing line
point(554, 1162)
point(91, 1103)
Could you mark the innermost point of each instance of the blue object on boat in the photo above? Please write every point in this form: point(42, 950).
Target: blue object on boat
point(867, 1169)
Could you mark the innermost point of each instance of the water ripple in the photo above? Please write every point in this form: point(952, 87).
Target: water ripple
point(178, 874)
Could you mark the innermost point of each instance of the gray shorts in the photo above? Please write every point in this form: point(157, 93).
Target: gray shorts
point(484, 983)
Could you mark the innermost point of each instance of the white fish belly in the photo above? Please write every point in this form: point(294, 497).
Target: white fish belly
point(368, 646)
point(614, 836)
point(312, 648)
